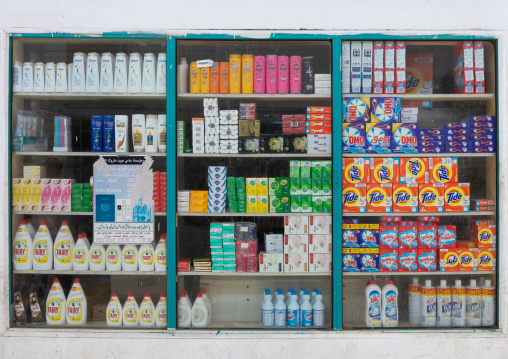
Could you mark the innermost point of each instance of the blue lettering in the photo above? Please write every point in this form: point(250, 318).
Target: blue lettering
point(384, 174)
point(453, 197)
point(350, 197)
point(376, 197)
point(415, 167)
point(354, 173)
point(428, 197)
point(443, 173)
point(401, 197)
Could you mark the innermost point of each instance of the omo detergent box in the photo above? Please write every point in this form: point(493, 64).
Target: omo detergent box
point(354, 198)
point(487, 259)
point(414, 170)
point(351, 262)
point(388, 260)
point(385, 109)
point(405, 198)
point(463, 54)
point(369, 262)
point(379, 198)
point(384, 170)
point(408, 260)
point(408, 235)
point(427, 260)
point(378, 137)
point(369, 235)
point(456, 197)
point(446, 237)
point(431, 197)
point(443, 170)
point(351, 236)
point(355, 170)
point(404, 138)
point(388, 235)
point(353, 138)
point(356, 109)
point(427, 235)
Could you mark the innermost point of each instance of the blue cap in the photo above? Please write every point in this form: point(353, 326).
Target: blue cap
point(314, 291)
point(318, 293)
point(305, 293)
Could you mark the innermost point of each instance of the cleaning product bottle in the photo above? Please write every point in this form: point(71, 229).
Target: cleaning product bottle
point(488, 304)
point(160, 255)
point(473, 305)
point(415, 302)
point(208, 305)
point(114, 312)
point(162, 133)
point(458, 304)
point(145, 258)
point(444, 305)
point(151, 134)
point(373, 305)
point(389, 305)
point(130, 258)
point(161, 312)
point(184, 312)
point(187, 297)
point(76, 308)
point(63, 249)
point(267, 310)
point(43, 248)
point(293, 309)
point(318, 311)
point(37, 300)
point(30, 227)
point(80, 255)
point(199, 313)
point(183, 73)
point(97, 257)
point(300, 301)
point(86, 240)
point(20, 301)
point(306, 310)
point(428, 296)
point(130, 312)
point(280, 310)
point(288, 297)
point(313, 296)
point(147, 312)
point(56, 305)
point(22, 248)
point(114, 258)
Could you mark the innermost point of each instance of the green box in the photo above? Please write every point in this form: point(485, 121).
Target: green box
point(326, 186)
point(231, 182)
point(278, 186)
point(76, 197)
point(306, 203)
point(315, 184)
point(327, 204)
point(305, 186)
point(215, 242)
point(229, 268)
point(317, 169)
point(317, 204)
point(280, 204)
point(296, 204)
point(326, 167)
point(228, 247)
point(240, 183)
point(87, 191)
point(217, 257)
point(86, 208)
point(229, 256)
point(217, 268)
point(229, 262)
point(294, 168)
point(294, 186)
point(87, 186)
point(305, 169)
point(86, 198)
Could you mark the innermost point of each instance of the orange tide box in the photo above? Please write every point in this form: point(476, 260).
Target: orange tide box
point(431, 197)
point(486, 236)
point(456, 197)
point(487, 259)
point(443, 170)
point(379, 198)
point(458, 260)
point(384, 170)
point(405, 198)
point(473, 227)
point(355, 170)
point(354, 198)
point(414, 170)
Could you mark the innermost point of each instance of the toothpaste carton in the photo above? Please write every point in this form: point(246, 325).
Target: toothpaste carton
point(320, 243)
point(456, 197)
point(483, 149)
point(427, 235)
point(385, 109)
point(431, 197)
point(457, 131)
point(482, 124)
point(346, 66)
point(437, 148)
point(388, 260)
point(479, 67)
point(414, 170)
point(353, 138)
point(378, 138)
point(465, 149)
point(389, 67)
point(354, 198)
point(427, 260)
point(456, 138)
point(379, 198)
point(295, 262)
point(318, 110)
point(369, 235)
point(408, 235)
point(355, 170)
point(405, 198)
point(408, 259)
point(351, 262)
point(388, 235)
point(356, 66)
point(487, 258)
point(443, 170)
point(378, 70)
point(430, 138)
point(456, 125)
point(400, 71)
point(482, 131)
point(320, 262)
point(384, 170)
point(485, 236)
point(404, 138)
point(351, 236)
point(483, 143)
point(367, 66)
point(391, 219)
point(446, 237)
point(481, 119)
point(463, 54)
point(296, 243)
point(356, 109)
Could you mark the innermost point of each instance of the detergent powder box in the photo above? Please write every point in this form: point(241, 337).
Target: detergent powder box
point(351, 236)
point(463, 71)
point(473, 227)
point(351, 262)
point(446, 237)
point(391, 219)
point(443, 170)
point(353, 138)
point(378, 138)
point(388, 235)
point(388, 260)
point(481, 118)
point(427, 235)
point(408, 259)
point(369, 235)
point(419, 73)
point(354, 198)
point(355, 170)
point(431, 197)
point(449, 260)
point(468, 259)
point(479, 67)
point(427, 260)
point(456, 197)
point(379, 198)
point(356, 66)
point(384, 170)
point(487, 259)
point(346, 66)
point(400, 69)
point(367, 66)
point(408, 235)
point(405, 198)
point(379, 67)
point(356, 109)
point(369, 262)
point(385, 109)
point(389, 67)
point(414, 170)
point(486, 236)
point(404, 138)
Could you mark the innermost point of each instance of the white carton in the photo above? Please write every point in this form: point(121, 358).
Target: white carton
point(295, 262)
point(367, 66)
point(320, 262)
point(389, 67)
point(296, 243)
point(379, 67)
point(356, 66)
point(265, 262)
point(400, 57)
point(277, 262)
point(296, 224)
point(320, 243)
point(346, 66)
point(320, 224)
point(323, 77)
point(274, 243)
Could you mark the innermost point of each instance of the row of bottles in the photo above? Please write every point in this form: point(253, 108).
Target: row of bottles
point(29, 303)
point(42, 253)
point(381, 305)
point(132, 315)
point(71, 310)
point(197, 315)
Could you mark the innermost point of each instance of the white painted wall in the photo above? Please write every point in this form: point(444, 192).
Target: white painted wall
point(331, 16)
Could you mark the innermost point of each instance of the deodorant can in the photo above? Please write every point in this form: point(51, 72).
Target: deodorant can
point(295, 81)
point(282, 75)
point(49, 83)
point(308, 75)
point(247, 66)
point(259, 74)
point(271, 74)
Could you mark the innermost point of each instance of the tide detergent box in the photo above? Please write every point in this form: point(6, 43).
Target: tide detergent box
point(405, 198)
point(408, 260)
point(353, 138)
point(427, 235)
point(388, 260)
point(404, 138)
point(369, 235)
point(427, 260)
point(449, 260)
point(389, 67)
point(446, 237)
point(408, 235)
point(431, 197)
point(351, 236)
point(384, 170)
point(356, 109)
point(487, 259)
point(379, 198)
point(456, 197)
point(486, 236)
point(463, 71)
point(354, 198)
point(355, 170)
point(468, 259)
point(388, 235)
point(378, 137)
point(443, 170)
point(473, 227)
point(414, 170)
point(419, 73)
point(385, 109)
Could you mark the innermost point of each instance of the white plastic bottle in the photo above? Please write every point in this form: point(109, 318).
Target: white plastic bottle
point(267, 310)
point(428, 296)
point(389, 305)
point(114, 258)
point(183, 76)
point(97, 257)
point(488, 304)
point(160, 83)
point(199, 313)
point(161, 312)
point(138, 132)
point(76, 308)
point(22, 247)
point(56, 305)
point(162, 133)
point(130, 312)
point(313, 296)
point(86, 240)
point(184, 312)
point(415, 302)
point(43, 248)
point(288, 296)
point(80, 255)
point(149, 73)
point(373, 305)
point(130, 258)
point(187, 297)
point(293, 309)
point(444, 305)
point(147, 312)
point(146, 258)
point(280, 310)
point(63, 249)
point(458, 304)
point(473, 305)
point(318, 311)
point(114, 312)
point(208, 305)
point(161, 255)
point(30, 227)
point(151, 134)
point(306, 309)
point(300, 301)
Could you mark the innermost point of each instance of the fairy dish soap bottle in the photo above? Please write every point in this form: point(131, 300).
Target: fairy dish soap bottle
point(113, 258)
point(130, 312)
point(147, 312)
point(63, 249)
point(161, 312)
point(80, 254)
point(130, 258)
point(56, 305)
point(22, 248)
point(97, 257)
point(43, 248)
point(160, 255)
point(76, 309)
point(145, 260)
point(114, 312)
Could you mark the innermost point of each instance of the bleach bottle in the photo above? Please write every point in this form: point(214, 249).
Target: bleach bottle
point(63, 249)
point(76, 308)
point(147, 312)
point(130, 312)
point(488, 304)
point(56, 305)
point(306, 310)
point(208, 305)
point(293, 309)
point(199, 313)
point(313, 296)
point(458, 304)
point(444, 305)
point(114, 258)
point(414, 303)
point(22, 248)
point(300, 301)
point(473, 305)
point(428, 305)
point(97, 257)
point(184, 312)
point(43, 248)
point(114, 312)
point(373, 305)
point(161, 312)
point(280, 310)
point(160, 255)
point(80, 254)
point(267, 310)
point(389, 305)
point(318, 311)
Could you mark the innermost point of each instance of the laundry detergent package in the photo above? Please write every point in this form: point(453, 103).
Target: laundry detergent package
point(369, 262)
point(446, 237)
point(427, 260)
point(369, 235)
point(414, 170)
point(353, 138)
point(354, 198)
point(408, 259)
point(443, 170)
point(463, 54)
point(355, 170)
point(351, 236)
point(456, 197)
point(379, 198)
point(408, 235)
point(378, 137)
point(487, 258)
point(388, 235)
point(405, 198)
point(404, 138)
point(388, 260)
point(351, 262)
point(385, 109)
point(427, 235)
point(431, 197)
point(356, 109)
point(384, 170)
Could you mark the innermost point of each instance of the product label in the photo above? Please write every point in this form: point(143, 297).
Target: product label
point(35, 308)
point(293, 318)
point(129, 257)
point(41, 251)
point(19, 308)
point(162, 315)
point(112, 256)
point(183, 315)
point(147, 257)
point(390, 313)
point(198, 316)
point(374, 309)
point(114, 315)
point(161, 257)
point(131, 315)
point(75, 310)
point(146, 316)
point(63, 251)
point(21, 251)
point(80, 256)
point(267, 317)
point(54, 309)
point(307, 318)
point(96, 256)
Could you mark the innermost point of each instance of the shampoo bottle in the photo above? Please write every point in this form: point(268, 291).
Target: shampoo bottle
point(151, 134)
point(138, 132)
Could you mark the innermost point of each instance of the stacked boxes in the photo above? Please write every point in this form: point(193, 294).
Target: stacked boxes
point(81, 197)
point(319, 130)
point(198, 202)
point(296, 237)
point(217, 189)
point(198, 135)
point(295, 124)
point(183, 201)
point(246, 247)
point(278, 192)
point(222, 246)
point(26, 191)
point(257, 195)
point(180, 136)
point(323, 84)
point(310, 186)
point(469, 69)
point(320, 244)
point(272, 259)
point(160, 192)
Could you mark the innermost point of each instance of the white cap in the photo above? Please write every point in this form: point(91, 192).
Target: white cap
point(428, 283)
point(415, 281)
point(488, 283)
point(458, 283)
point(443, 282)
point(472, 283)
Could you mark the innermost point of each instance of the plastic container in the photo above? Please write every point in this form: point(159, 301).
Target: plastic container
point(56, 305)
point(114, 317)
point(80, 255)
point(293, 309)
point(85, 239)
point(30, 228)
point(162, 133)
point(130, 312)
point(134, 76)
point(458, 304)
point(146, 258)
point(76, 307)
point(280, 310)
point(195, 78)
point(63, 249)
point(107, 72)
point(271, 74)
point(97, 257)
point(428, 296)
point(183, 73)
point(488, 304)
point(114, 258)
point(414, 302)
point(267, 310)
point(300, 301)
point(37, 300)
point(199, 313)
point(160, 80)
point(79, 72)
point(473, 305)
point(161, 312)
point(93, 66)
point(149, 73)
point(373, 305)
point(184, 312)
point(444, 305)
point(147, 312)
point(318, 311)
point(389, 305)
point(208, 305)
point(121, 73)
point(306, 310)
point(22, 248)
point(161, 255)
point(130, 258)
point(49, 81)
point(138, 132)
point(151, 134)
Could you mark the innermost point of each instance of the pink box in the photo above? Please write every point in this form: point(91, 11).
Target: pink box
point(446, 237)
point(388, 235)
point(427, 260)
point(427, 235)
point(259, 74)
point(56, 203)
point(408, 260)
point(378, 84)
point(389, 67)
point(408, 235)
point(389, 260)
point(463, 55)
point(295, 71)
point(296, 243)
point(320, 262)
point(66, 203)
point(400, 75)
point(66, 185)
point(479, 67)
point(46, 186)
point(56, 187)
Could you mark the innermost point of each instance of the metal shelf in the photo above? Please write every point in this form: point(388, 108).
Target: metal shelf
point(431, 97)
point(256, 155)
point(228, 214)
point(266, 97)
point(86, 272)
point(49, 213)
point(421, 214)
point(255, 274)
point(436, 273)
point(87, 154)
point(77, 96)
point(433, 155)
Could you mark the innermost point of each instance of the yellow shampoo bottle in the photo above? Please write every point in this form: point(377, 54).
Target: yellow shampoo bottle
point(235, 73)
point(195, 78)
